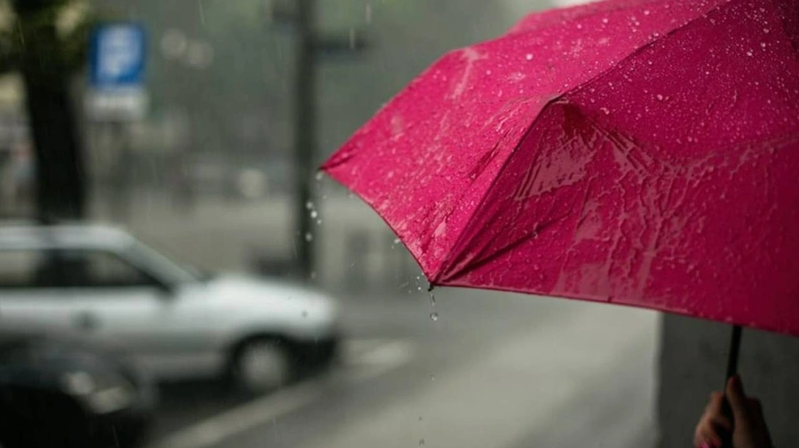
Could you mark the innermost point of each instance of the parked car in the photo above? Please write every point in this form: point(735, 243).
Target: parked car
point(177, 323)
point(57, 390)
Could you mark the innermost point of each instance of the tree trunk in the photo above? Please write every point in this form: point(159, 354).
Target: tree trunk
point(60, 173)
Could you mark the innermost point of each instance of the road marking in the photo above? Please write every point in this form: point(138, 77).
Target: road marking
point(380, 360)
point(362, 359)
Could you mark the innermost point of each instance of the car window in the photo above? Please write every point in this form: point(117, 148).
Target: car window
point(86, 268)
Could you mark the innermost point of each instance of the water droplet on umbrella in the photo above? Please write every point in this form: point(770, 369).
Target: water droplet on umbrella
point(646, 12)
point(605, 110)
point(605, 20)
point(762, 45)
point(529, 56)
point(765, 30)
point(749, 53)
point(659, 97)
point(434, 317)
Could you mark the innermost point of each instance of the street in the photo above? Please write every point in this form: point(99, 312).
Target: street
point(471, 369)
point(494, 370)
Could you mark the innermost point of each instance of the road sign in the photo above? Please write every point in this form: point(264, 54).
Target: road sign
point(117, 54)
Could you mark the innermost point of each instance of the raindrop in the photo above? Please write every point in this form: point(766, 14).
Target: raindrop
point(309, 205)
point(605, 110)
point(308, 237)
point(749, 53)
point(488, 72)
point(646, 12)
point(579, 26)
point(659, 97)
point(605, 20)
point(396, 240)
point(434, 318)
point(352, 38)
point(319, 176)
point(319, 222)
point(762, 45)
point(765, 30)
point(314, 214)
point(529, 56)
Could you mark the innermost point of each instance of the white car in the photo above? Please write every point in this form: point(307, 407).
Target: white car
point(174, 322)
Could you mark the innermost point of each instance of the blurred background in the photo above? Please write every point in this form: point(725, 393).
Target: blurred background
point(196, 126)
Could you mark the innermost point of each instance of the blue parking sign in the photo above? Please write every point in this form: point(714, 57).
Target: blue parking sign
point(117, 53)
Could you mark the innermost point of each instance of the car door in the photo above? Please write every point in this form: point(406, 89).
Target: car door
point(117, 301)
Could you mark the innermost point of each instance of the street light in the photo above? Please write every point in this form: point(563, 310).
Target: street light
point(310, 46)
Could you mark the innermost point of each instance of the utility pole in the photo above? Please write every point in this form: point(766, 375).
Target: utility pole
point(304, 134)
point(310, 46)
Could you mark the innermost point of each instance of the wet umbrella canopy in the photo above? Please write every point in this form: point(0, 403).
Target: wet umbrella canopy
point(638, 153)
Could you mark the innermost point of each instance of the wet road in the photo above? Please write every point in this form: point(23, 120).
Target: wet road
point(494, 370)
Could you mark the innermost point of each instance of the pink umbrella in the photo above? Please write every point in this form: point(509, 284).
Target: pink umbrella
point(641, 153)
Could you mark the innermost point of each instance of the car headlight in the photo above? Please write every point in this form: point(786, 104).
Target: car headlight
point(100, 392)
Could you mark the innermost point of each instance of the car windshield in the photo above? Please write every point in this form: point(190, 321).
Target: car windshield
point(164, 267)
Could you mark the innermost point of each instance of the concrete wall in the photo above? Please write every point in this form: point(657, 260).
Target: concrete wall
point(693, 361)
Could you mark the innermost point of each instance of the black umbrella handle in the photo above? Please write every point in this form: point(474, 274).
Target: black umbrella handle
point(732, 370)
point(732, 359)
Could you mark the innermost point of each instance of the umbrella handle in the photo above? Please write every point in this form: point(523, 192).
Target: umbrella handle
point(732, 359)
point(732, 369)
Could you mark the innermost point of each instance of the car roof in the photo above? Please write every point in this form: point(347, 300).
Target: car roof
point(72, 236)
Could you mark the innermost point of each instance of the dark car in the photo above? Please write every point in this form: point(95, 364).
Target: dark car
point(56, 390)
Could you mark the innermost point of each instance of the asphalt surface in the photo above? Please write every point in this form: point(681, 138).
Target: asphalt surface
point(494, 370)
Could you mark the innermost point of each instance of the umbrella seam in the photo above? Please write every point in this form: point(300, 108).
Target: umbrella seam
point(640, 49)
point(449, 262)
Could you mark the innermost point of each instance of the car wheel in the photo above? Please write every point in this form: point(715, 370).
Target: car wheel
point(261, 365)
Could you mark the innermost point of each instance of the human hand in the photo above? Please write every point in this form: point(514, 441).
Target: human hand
point(747, 425)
